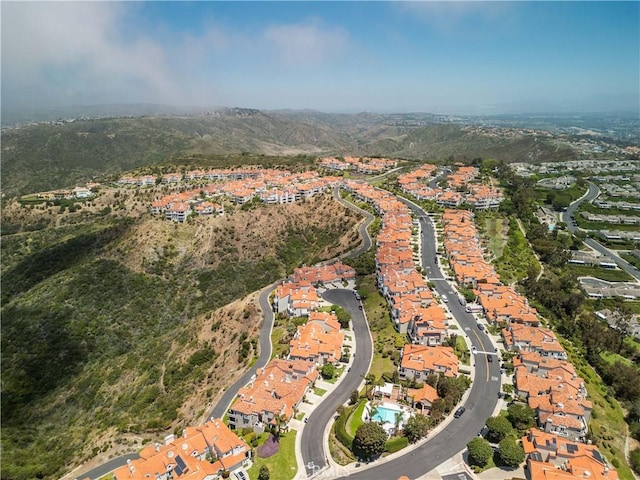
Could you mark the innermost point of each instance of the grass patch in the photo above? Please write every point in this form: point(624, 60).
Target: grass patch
point(319, 391)
point(632, 259)
point(612, 358)
point(517, 258)
point(494, 227)
point(282, 465)
point(462, 351)
point(335, 378)
point(386, 341)
point(278, 349)
point(490, 464)
point(300, 416)
point(608, 274)
point(355, 419)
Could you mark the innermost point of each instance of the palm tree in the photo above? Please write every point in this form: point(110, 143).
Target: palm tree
point(373, 411)
point(398, 419)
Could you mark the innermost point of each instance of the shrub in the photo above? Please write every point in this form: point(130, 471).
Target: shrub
point(328, 371)
point(480, 451)
point(510, 453)
point(340, 432)
point(264, 473)
point(369, 441)
point(498, 428)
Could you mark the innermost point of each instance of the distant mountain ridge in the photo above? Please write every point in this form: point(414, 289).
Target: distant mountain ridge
point(75, 152)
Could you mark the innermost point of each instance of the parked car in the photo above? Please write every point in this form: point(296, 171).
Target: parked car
point(445, 299)
point(459, 412)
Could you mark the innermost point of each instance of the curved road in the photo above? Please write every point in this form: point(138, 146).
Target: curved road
point(481, 400)
point(591, 195)
point(265, 347)
point(312, 441)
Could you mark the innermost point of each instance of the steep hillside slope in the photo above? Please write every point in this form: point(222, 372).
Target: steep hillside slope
point(114, 331)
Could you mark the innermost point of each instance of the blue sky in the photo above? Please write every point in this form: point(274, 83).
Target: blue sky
point(441, 57)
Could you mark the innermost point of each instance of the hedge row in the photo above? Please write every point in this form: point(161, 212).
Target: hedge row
point(340, 431)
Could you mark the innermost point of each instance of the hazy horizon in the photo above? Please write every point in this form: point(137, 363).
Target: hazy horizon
point(457, 58)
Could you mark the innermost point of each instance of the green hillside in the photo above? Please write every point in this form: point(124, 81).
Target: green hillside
point(103, 347)
point(47, 156)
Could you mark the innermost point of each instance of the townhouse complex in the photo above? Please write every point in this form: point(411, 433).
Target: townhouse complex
point(207, 452)
point(273, 395)
point(543, 376)
point(411, 302)
point(551, 457)
point(360, 165)
point(236, 186)
point(463, 186)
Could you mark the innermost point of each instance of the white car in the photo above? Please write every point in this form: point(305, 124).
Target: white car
point(445, 299)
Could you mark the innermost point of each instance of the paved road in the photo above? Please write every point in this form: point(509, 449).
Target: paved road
point(364, 234)
point(312, 442)
point(482, 398)
point(265, 354)
point(265, 348)
point(591, 195)
point(109, 466)
point(480, 403)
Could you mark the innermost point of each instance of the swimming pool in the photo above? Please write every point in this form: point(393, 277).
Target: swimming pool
point(386, 414)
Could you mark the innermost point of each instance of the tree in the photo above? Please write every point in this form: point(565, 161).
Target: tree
point(417, 427)
point(498, 428)
point(353, 399)
point(521, 416)
point(510, 453)
point(369, 440)
point(397, 419)
point(480, 451)
point(328, 371)
point(264, 473)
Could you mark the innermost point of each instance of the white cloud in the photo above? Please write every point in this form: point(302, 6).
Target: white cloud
point(77, 52)
point(62, 53)
point(306, 44)
point(447, 16)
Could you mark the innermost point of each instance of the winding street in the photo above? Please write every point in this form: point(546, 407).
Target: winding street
point(567, 217)
point(312, 442)
point(482, 398)
point(230, 393)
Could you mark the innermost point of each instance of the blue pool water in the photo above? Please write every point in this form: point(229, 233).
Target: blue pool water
point(386, 415)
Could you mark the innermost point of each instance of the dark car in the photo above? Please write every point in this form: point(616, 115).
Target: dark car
point(459, 412)
point(489, 358)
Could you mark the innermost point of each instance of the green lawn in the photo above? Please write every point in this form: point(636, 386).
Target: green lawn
point(278, 348)
point(282, 465)
point(386, 340)
point(608, 274)
point(355, 419)
point(612, 358)
point(319, 391)
point(494, 231)
point(462, 351)
point(632, 259)
point(335, 378)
